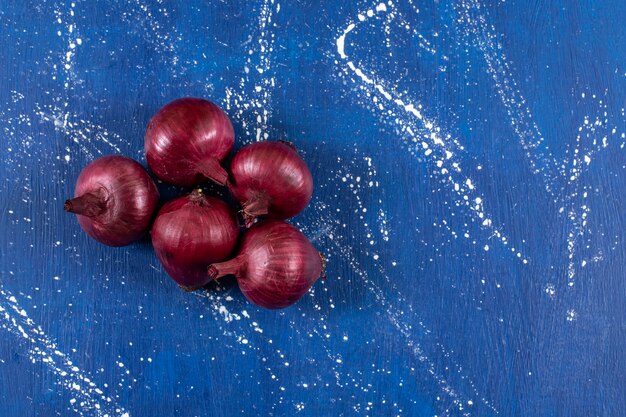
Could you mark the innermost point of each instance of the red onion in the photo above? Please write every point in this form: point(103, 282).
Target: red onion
point(275, 266)
point(114, 200)
point(190, 233)
point(270, 179)
point(186, 140)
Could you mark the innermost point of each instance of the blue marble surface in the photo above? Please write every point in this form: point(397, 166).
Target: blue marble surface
point(470, 183)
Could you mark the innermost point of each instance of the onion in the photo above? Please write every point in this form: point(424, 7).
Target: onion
point(270, 179)
point(114, 200)
point(275, 265)
point(186, 140)
point(190, 233)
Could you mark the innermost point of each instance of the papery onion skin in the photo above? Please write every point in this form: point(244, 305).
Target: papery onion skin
point(270, 179)
point(114, 200)
point(275, 266)
point(191, 232)
point(186, 140)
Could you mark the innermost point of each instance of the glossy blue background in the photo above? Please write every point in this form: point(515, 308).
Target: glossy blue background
point(426, 311)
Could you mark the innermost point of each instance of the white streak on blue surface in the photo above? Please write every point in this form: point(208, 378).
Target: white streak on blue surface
point(438, 145)
point(91, 398)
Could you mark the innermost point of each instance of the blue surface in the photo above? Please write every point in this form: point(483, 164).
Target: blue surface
point(470, 185)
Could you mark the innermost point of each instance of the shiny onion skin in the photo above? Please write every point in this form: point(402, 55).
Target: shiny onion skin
point(190, 233)
point(115, 199)
point(275, 266)
point(270, 179)
point(186, 140)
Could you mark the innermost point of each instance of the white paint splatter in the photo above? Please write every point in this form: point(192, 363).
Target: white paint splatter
point(440, 147)
point(482, 34)
point(253, 109)
point(396, 315)
point(42, 349)
point(87, 135)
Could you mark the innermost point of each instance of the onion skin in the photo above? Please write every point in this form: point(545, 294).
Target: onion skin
point(191, 232)
point(186, 140)
point(114, 200)
point(271, 180)
point(275, 265)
